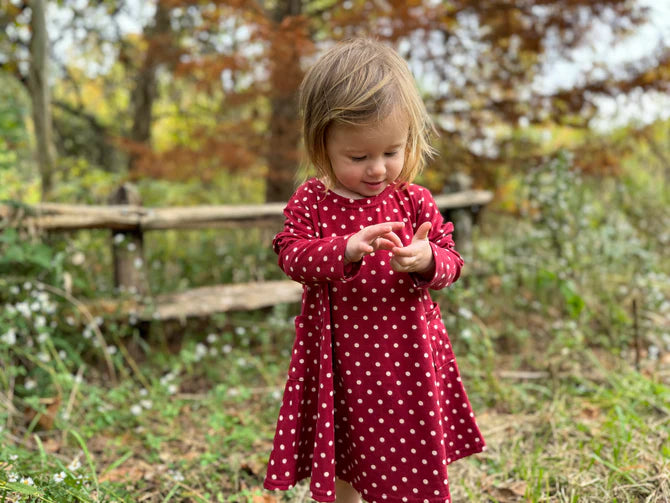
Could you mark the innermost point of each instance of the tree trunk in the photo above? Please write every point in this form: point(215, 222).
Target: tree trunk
point(286, 74)
point(146, 89)
point(40, 94)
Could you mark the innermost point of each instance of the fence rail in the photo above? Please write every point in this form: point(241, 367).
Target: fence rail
point(126, 216)
point(65, 217)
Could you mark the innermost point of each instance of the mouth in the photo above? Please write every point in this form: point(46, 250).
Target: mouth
point(374, 184)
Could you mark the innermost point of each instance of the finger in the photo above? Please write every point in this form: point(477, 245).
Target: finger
point(376, 230)
point(399, 266)
point(422, 231)
point(405, 251)
point(393, 237)
point(386, 244)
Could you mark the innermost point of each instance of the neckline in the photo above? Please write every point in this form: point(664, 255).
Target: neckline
point(354, 203)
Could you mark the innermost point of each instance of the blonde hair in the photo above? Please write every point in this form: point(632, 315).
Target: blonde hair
point(362, 82)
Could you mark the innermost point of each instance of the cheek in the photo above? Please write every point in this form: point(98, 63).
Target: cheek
point(398, 165)
point(345, 171)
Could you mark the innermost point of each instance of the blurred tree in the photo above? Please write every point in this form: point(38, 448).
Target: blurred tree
point(203, 87)
point(32, 47)
point(289, 41)
point(159, 45)
point(38, 83)
point(485, 60)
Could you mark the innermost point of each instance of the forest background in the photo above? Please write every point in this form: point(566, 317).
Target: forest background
point(561, 321)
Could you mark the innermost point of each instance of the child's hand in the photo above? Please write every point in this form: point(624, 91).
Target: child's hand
point(417, 256)
point(372, 238)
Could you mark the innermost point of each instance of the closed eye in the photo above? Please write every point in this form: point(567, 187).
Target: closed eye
point(357, 159)
point(390, 154)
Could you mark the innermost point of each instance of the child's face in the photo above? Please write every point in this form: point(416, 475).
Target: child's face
point(367, 158)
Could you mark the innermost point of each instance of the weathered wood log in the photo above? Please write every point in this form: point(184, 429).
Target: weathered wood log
point(55, 217)
point(204, 301)
point(461, 217)
point(128, 248)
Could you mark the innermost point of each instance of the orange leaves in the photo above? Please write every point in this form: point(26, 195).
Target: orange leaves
point(289, 42)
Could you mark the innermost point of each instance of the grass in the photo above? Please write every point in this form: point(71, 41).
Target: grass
point(203, 429)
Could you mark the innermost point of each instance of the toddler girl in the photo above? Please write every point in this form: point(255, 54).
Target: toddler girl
point(373, 404)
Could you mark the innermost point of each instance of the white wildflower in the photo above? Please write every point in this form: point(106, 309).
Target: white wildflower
point(14, 290)
point(211, 338)
point(200, 350)
point(59, 477)
point(136, 410)
point(167, 378)
point(118, 238)
point(44, 357)
point(227, 348)
point(27, 286)
point(78, 258)
point(13, 457)
point(9, 337)
point(143, 392)
point(74, 465)
point(240, 330)
point(132, 247)
point(111, 349)
point(465, 313)
point(172, 389)
point(147, 404)
point(27, 481)
point(24, 309)
point(70, 320)
point(13, 477)
point(40, 321)
point(87, 333)
point(42, 338)
point(138, 263)
point(176, 475)
point(30, 384)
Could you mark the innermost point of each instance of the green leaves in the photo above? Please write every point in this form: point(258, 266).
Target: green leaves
point(19, 488)
point(573, 301)
point(21, 255)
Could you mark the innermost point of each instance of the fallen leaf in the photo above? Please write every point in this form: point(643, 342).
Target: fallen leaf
point(263, 498)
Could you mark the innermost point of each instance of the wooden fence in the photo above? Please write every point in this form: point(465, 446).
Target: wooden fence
point(126, 216)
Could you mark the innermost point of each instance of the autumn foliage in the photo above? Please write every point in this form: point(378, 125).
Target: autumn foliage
point(212, 86)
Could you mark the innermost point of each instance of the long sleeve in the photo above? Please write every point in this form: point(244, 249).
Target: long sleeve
point(303, 255)
point(448, 262)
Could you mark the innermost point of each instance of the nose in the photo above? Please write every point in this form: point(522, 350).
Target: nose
point(377, 167)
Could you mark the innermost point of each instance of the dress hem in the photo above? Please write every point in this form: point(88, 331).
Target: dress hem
point(285, 485)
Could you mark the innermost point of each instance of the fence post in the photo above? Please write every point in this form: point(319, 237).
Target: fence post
point(462, 218)
point(128, 248)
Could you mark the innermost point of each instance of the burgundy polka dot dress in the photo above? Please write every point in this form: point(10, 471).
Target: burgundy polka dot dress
point(373, 394)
